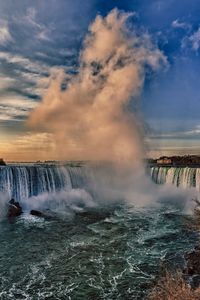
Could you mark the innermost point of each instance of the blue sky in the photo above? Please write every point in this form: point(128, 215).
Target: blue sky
point(37, 37)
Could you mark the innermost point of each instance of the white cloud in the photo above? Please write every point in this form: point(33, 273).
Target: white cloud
point(5, 35)
point(183, 25)
point(43, 33)
point(195, 40)
point(15, 108)
point(6, 82)
point(29, 74)
point(22, 103)
point(24, 62)
point(192, 41)
point(31, 17)
point(11, 113)
point(191, 133)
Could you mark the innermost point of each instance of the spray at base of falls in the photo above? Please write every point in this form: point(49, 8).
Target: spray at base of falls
point(23, 182)
point(58, 188)
point(67, 190)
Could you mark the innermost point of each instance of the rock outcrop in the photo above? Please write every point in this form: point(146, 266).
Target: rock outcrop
point(41, 214)
point(2, 162)
point(192, 270)
point(14, 209)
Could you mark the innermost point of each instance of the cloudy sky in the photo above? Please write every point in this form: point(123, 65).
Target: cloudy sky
point(37, 38)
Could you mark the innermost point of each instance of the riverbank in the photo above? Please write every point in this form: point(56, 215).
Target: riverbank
point(182, 284)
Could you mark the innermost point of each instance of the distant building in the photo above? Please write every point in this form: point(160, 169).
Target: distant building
point(164, 161)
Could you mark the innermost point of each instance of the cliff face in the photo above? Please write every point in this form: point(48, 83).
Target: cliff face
point(2, 162)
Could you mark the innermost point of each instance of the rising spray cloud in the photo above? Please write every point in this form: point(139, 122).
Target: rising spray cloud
point(90, 120)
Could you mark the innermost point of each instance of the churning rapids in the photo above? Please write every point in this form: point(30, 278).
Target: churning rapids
point(86, 251)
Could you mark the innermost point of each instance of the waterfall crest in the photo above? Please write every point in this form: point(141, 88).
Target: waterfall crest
point(22, 182)
point(185, 177)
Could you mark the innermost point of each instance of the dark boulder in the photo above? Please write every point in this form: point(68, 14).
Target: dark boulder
point(191, 273)
point(36, 213)
point(193, 262)
point(41, 214)
point(2, 162)
point(14, 209)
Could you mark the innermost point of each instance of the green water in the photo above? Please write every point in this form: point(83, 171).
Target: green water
point(107, 254)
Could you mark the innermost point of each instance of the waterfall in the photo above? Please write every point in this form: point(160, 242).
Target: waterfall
point(23, 181)
point(180, 176)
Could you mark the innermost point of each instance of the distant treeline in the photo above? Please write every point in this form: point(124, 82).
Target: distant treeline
point(186, 160)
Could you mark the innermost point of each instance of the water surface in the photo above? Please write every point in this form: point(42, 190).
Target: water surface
point(107, 253)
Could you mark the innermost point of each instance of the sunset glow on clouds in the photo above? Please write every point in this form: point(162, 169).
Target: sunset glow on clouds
point(38, 38)
point(28, 147)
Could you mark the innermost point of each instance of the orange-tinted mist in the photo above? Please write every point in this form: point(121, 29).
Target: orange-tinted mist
point(90, 120)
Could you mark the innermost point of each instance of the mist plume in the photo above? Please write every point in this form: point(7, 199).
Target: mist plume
point(90, 119)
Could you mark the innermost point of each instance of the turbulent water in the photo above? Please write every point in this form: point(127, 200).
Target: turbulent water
point(179, 176)
point(104, 252)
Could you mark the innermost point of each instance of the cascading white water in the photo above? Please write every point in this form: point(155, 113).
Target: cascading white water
point(178, 176)
point(22, 182)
